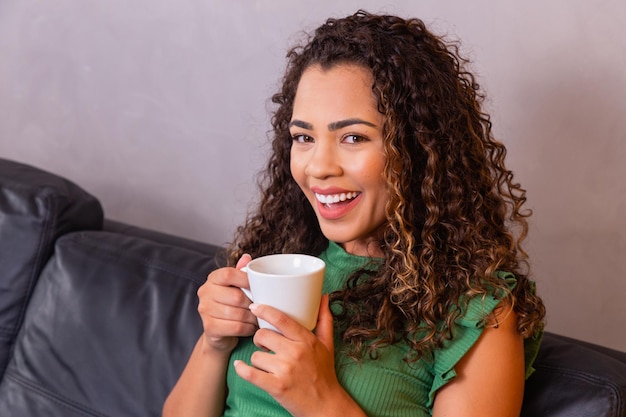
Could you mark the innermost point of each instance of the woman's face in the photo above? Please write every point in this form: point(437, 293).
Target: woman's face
point(337, 155)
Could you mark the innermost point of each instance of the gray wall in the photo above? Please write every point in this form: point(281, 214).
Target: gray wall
point(159, 108)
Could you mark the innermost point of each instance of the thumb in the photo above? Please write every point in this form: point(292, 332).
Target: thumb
point(243, 261)
point(324, 329)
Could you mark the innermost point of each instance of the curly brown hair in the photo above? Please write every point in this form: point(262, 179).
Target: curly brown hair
point(454, 216)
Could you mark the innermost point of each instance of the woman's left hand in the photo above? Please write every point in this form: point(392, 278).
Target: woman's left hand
point(297, 367)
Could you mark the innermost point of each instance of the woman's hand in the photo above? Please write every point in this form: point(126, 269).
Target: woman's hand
point(297, 367)
point(223, 308)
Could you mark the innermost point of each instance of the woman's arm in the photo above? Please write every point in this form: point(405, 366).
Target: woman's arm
point(201, 389)
point(223, 308)
point(490, 377)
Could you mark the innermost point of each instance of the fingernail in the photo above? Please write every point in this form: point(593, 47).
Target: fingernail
point(253, 307)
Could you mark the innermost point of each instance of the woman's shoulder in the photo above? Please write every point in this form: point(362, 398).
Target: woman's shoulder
point(483, 312)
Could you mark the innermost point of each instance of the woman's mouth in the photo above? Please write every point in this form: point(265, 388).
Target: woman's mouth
point(329, 199)
point(336, 206)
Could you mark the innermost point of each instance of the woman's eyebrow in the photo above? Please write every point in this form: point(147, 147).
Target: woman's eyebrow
point(348, 122)
point(334, 125)
point(301, 124)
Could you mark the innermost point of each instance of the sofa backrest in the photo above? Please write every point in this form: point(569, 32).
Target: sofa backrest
point(576, 379)
point(36, 207)
point(110, 327)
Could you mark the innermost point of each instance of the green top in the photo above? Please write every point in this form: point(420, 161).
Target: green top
point(387, 386)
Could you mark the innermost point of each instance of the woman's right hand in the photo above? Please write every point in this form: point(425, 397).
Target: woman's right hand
point(223, 308)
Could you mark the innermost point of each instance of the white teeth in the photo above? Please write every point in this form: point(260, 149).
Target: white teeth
point(335, 198)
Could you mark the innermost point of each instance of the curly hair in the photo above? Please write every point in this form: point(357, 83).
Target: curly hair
point(454, 216)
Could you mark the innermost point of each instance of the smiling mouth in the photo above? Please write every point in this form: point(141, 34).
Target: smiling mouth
point(329, 199)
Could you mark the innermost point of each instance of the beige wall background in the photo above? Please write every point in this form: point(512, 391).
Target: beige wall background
point(159, 108)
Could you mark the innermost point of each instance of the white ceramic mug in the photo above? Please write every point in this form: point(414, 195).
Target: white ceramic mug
point(292, 283)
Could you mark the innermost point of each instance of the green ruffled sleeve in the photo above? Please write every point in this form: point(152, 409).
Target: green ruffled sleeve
point(467, 331)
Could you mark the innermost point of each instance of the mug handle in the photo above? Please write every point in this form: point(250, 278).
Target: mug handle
point(245, 290)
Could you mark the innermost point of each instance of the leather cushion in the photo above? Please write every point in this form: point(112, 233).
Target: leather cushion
point(576, 379)
point(110, 327)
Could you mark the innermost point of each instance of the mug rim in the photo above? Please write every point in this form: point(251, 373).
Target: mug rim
point(316, 263)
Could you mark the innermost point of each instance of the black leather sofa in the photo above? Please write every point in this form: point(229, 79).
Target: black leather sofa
point(97, 318)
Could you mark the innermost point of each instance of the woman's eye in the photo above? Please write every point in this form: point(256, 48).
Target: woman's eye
point(302, 138)
point(353, 139)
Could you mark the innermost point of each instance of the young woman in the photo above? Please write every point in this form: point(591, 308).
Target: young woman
point(383, 165)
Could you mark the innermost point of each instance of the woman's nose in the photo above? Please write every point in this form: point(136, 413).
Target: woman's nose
point(324, 161)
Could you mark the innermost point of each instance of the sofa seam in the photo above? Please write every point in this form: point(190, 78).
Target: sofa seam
point(60, 400)
point(186, 274)
point(617, 405)
point(38, 262)
point(578, 374)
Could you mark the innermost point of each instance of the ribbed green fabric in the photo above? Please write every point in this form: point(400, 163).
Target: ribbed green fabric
point(387, 386)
